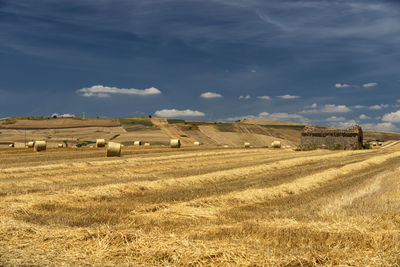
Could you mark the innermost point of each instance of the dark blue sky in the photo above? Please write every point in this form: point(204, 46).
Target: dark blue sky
point(326, 62)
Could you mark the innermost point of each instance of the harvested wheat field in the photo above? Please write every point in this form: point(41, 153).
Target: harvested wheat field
point(200, 206)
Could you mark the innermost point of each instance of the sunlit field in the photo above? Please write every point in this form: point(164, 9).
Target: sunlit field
point(200, 206)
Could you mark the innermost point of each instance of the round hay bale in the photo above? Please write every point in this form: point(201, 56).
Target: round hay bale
point(60, 145)
point(31, 144)
point(175, 143)
point(247, 145)
point(40, 146)
point(113, 149)
point(276, 144)
point(226, 146)
point(137, 143)
point(196, 143)
point(146, 144)
point(11, 145)
point(100, 143)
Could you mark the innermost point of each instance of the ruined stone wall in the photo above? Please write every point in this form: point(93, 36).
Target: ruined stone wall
point(330, 142)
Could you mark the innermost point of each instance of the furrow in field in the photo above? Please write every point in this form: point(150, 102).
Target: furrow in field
point(84, 176)
point(30, 158)
point(138, 161)
point(257, 180)
point(210, 206)
point(119, 189)
point(129, 159)
point(374, 184)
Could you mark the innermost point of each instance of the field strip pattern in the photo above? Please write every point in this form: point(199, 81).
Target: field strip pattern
point(135, 174)
point(219, 207)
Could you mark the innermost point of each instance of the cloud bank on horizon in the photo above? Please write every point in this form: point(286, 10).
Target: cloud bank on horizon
point(328, 62)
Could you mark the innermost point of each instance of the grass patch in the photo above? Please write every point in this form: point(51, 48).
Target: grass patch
point(189, 127)
point(9, 121)
point(296, 127)
point(226, 127)
point(145, 121)
point(172, 121)
point(6, 143)
point(137, 124)
point(115, 136)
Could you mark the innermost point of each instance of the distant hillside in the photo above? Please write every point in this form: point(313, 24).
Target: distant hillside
point(56, 123)
point(382, 136)
point(158, 131)
point(271, 122)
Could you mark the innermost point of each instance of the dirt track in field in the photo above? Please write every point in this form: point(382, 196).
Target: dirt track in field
point(200, 206)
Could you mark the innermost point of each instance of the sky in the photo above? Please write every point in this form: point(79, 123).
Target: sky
point(327, 62)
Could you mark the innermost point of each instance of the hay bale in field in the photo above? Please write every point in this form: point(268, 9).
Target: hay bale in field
point(100, 143)
point(113, 149)
point(247, 145)
point(40, 146)
point(276, 144)
point(31, 144)
point(146, 144)
point(196, 143)
point(11, 145)
point(137, 143)
point(175, 143)
point(60, 145)
point(226, 146)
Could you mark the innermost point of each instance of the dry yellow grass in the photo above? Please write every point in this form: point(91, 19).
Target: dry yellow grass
point(200, 206)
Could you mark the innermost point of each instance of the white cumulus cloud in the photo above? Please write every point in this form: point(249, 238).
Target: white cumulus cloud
point(244, 97)
point(366, 85)
point(342, 85)
point(392, 117)
point(331, 108)
point(334, 118)
point(328, 108)
point(210, 95)
point(273, 116)
point(358, 106)
point(377, 107)
point(343, 124)
point(383, 126)
point(364, 117)
point(265, 97)
point(287, 116)
point(178, 113)
point(288, 96)
point(105, 91)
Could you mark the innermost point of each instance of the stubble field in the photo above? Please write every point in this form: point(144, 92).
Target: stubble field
point(200, 206)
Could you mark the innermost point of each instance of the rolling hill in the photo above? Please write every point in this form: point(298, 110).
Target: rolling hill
point(158, 131)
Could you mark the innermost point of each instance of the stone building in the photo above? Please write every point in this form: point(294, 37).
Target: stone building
point(314, 137)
